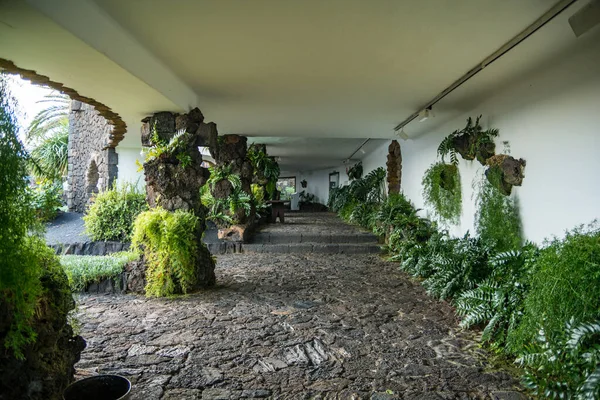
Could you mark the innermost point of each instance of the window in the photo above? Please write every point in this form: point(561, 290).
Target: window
point(286, 186)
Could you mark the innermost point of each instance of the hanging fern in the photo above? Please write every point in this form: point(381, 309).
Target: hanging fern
point(356, 171)
point(442, 191)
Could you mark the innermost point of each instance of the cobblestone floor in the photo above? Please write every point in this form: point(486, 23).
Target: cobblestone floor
point(290, 326)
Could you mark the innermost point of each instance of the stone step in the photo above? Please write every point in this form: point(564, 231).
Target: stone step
point(295, 238)
point(303, 248)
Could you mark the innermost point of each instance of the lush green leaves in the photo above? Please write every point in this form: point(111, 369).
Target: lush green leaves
point(46, 200)
point(169, 242)
point(85, 270)
point(112, 212)
point(565, 364)
point(565, 284)
point(443, 192)
point(23, 258)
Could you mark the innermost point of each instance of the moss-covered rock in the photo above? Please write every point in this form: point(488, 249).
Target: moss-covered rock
point(48, 364)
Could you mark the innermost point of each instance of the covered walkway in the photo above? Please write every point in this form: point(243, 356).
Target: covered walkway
point(311, 325)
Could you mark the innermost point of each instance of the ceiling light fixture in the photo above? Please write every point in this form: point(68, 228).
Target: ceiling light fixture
point(425, 114)
point(402, 134)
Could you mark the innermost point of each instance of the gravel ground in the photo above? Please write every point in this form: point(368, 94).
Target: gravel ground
point(67, 228)
point(291, 326)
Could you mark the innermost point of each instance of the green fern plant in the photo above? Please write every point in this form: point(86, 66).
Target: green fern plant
point(363, 214)
point(460, 265)
point(497, 302)
point(471, 142)
point(442, 191)
point(168, 241)
point(220, 173)
point(564, 365)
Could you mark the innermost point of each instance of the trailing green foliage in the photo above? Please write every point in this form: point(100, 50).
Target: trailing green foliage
point(24, 257)
point(112, 212)
point(46, 200)
point(565, 365)
point(169, 243)
point(565, 284)
point(85, 270)
point(442, 191)
point(497, 217)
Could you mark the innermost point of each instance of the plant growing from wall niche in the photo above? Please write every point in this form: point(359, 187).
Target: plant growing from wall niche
point(443, 192)
point(355, 171)
point(471, 142)
point(504, 172)
point(266, 169)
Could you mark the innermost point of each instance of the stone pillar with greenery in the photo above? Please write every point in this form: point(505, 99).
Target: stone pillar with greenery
point(170, 234)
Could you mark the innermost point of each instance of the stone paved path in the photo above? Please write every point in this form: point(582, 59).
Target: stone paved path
point(290, 326)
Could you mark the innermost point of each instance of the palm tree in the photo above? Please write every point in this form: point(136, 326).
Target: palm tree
point(48, 134)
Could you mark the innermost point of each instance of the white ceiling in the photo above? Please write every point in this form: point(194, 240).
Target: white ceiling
point(312, 68)
point(310, 78)
point(306, 154)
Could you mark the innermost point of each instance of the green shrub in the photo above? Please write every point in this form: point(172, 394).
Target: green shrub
point(565, 284)
point(23, 258)
point(111, 215)
point(442, 191)
point(364, 214)
point(169, 243)
point(565, 365)
point(497, 218)
point(458, 265)
point(46, 200)
point(85, 270)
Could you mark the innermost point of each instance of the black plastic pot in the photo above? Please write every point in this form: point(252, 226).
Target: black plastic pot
point(100, 387)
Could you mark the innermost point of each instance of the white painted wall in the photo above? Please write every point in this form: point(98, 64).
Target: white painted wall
point(318, 181)
point(128, 170)
point(551, 119)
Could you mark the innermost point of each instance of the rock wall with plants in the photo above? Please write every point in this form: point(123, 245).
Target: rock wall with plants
point(230, 154)
point(174, 175)
point(93, 162)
